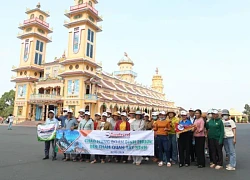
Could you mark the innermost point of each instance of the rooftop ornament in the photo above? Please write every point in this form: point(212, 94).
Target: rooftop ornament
point(38, 5)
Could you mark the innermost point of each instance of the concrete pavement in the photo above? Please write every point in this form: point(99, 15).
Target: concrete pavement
point(21, 159)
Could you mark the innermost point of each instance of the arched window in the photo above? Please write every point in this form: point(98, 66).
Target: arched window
point(87, 108)
point(87, 89)
point(80, 1)
point(32, 16)
point(41, 17)
point(90, 3)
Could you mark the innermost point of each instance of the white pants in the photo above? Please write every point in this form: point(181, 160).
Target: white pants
point(137, 159)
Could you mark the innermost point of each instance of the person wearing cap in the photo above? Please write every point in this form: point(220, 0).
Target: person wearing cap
point(192, 118)
point(154, 118)
point(70, 124)
point(148, 122)
point(63, 117)
point(50, 120)
point(172, 136)
point(97, 120)
point(199, 135)
point(184, 141)
point(215, 129)
point(162, 127)
point(86, 124)
point(148, 127)
point(116, 118)
point(122, 125)
point(207, 149)
point(131, 116)
point(137, 125)
point(81, 115)
point(229, 139)
point(103, 126)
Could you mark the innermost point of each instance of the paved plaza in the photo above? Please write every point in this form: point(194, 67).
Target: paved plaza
point(21, 159)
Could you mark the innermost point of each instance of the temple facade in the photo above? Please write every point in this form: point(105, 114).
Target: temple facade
point(76, 80)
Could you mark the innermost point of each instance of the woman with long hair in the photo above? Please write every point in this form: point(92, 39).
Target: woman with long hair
point(199, 136)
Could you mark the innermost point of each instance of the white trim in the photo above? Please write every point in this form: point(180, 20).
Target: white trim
point(119, 88)
point(120, 98)
point(106, 97)
point(108, 85)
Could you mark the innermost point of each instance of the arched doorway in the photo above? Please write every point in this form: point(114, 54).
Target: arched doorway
point(103, 108)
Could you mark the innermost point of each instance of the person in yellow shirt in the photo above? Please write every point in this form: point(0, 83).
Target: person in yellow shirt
point(172, 136)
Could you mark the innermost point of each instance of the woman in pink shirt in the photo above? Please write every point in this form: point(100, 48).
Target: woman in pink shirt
point(199, 135)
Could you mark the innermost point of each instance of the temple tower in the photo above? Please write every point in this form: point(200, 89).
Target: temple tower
point(157, 82)
point(34, 38)
point(126, 72)
point(80, 64)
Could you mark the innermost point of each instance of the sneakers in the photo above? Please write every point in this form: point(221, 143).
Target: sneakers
point(229, 168)
point(169, 164)
point(218, 167)
point(212, 165)
point(146, 159)
point(160, 164)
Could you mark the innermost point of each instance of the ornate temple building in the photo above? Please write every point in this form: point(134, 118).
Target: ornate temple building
point(76, 80)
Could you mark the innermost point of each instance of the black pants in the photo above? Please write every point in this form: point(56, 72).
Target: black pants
point(122, 158)
point(210, 151)
point(199, 150)
point(85, 157)
point(47, 147)
point(184, 148)
point(192, 148)
point(217, 154)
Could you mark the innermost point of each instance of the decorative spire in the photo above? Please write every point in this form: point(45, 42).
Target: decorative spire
point(157, 70)
point(38, 5)
point(63, 56)
point(125, 54)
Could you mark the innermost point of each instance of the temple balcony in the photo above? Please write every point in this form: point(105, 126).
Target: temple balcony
point(90, 98)
point(36, 21)
point(45, 97)
point(119, 73)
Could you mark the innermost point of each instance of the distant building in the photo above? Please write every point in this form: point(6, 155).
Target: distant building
point(76, 80)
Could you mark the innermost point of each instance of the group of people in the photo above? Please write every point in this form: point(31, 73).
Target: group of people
point(208, 134)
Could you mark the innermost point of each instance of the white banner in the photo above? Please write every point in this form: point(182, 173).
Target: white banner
point(106, 142)
point(46, 132)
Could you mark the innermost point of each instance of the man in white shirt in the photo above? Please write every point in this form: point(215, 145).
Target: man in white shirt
point(11, 120)
point(51, 120)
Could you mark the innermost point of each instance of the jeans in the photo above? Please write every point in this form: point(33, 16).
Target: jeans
point(173, 146)
point(47, 147)
point(230, 150)
point(10, 125)
point(163, 144)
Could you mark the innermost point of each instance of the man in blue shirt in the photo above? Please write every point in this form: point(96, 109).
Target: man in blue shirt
point(184, 141)
point(63, 117)
point(70, 124)
point(50, 120)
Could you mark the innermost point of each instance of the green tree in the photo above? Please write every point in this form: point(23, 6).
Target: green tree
point(247, 111)
point(7, 103)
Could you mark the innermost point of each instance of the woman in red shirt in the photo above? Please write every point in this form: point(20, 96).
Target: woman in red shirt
point(122, 125)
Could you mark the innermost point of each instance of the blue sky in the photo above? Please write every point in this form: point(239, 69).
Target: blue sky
point(201, 47)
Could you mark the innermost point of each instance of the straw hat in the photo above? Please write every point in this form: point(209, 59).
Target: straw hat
point(116, 114)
